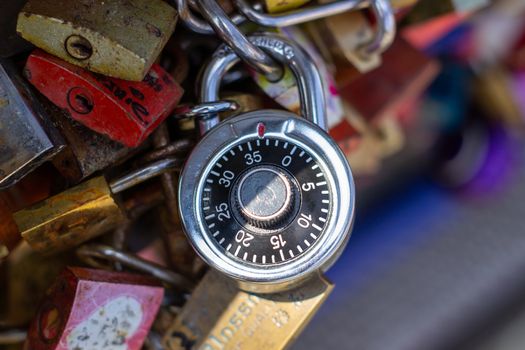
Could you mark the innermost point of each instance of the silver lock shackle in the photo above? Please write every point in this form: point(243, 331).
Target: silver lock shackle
point(89, 254)
point(198, 25)
point(386, 24)
point(145, 173)
point(286, 52)
point(231, 35)
point(186, 111)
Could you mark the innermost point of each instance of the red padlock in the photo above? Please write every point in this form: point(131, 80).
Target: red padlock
point(95, 309)
point(125, 111)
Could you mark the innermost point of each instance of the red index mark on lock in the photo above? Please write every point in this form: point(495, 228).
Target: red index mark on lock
point(125, 111)
point(95, 309)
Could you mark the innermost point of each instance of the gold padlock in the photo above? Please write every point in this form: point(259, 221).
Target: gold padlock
point(220, 316)
point(119, 38)
point(70, 217)
point(82, 212)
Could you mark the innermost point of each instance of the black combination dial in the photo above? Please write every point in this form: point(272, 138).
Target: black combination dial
point(266, 201)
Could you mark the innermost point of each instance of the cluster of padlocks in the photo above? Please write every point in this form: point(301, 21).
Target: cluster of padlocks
point(156, 193)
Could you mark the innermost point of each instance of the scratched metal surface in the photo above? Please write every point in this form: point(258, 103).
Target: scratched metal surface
point(428, 269)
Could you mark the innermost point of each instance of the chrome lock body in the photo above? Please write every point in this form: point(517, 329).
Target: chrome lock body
point(267, 197)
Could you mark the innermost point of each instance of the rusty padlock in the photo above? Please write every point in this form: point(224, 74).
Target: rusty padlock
point(119, 38)
point(86, 151)
point(124, 111)
point(82, 212)
point(95, 309)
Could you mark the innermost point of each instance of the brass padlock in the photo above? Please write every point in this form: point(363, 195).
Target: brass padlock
point(27, 137)
point(82, 212)
point(119, 38)
point(32, 189)
point(220, 316)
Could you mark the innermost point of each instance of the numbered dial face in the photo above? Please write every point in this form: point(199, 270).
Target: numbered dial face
point(266, 201)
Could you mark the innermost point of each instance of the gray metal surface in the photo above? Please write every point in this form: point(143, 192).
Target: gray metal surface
point(27, 137)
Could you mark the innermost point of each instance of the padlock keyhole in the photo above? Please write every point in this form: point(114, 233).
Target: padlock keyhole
point(84, 102)
point(80, 100)
point(78, 47)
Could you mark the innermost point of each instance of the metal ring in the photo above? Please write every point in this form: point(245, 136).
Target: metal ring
point(197, 25)
point(230, 34)
point(386, 26)
point(89, 254)
point(203, 109)
point(288, 53)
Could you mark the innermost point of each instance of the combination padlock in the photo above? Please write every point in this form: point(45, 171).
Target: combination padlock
point(267, 197)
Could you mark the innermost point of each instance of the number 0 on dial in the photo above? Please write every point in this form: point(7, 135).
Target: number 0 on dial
point(266, 201)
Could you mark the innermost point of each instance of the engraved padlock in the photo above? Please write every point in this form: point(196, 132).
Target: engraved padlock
point(267, 197)
point(220, 316)
point(125, 111)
